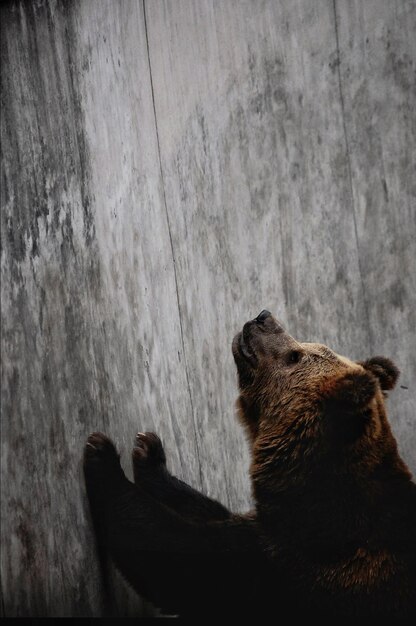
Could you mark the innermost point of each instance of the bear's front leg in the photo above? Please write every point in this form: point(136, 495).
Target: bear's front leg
point(104, 477)
point(181, 562)
point(152, 475)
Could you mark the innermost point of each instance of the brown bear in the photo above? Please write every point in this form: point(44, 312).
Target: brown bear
point(333, 532)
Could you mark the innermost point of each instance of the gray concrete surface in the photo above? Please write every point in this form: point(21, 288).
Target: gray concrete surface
point(168, 170)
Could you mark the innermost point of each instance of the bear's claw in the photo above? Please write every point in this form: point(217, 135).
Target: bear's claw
point(99, 445)
point(148, 451)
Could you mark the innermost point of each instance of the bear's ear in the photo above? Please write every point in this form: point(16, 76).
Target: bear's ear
point(351, 391)
point(384, 370)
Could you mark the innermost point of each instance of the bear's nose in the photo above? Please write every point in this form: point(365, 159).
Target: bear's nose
point(263, 316)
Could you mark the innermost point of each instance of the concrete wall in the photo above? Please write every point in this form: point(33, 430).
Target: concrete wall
point(168, 170)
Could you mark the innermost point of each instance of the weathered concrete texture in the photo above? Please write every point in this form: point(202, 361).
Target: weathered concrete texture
point(169, 169)
point(378, 80)
point(91, 330)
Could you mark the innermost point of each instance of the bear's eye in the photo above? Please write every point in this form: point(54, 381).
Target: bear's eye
point(294, 356)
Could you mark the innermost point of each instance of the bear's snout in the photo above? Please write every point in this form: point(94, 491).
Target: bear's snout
point(264, 323)
point(260, 336)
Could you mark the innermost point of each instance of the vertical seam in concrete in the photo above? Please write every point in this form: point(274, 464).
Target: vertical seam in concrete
point(347, 149)
point(171, 244)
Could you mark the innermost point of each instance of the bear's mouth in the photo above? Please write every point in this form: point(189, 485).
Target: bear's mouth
point(241, 346)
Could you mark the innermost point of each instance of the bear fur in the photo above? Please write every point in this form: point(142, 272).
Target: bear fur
point(333, 531)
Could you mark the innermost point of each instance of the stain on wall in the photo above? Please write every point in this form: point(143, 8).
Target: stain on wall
point(168, 170)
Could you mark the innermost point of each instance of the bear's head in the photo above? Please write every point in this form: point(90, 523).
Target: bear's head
point(309, 412)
